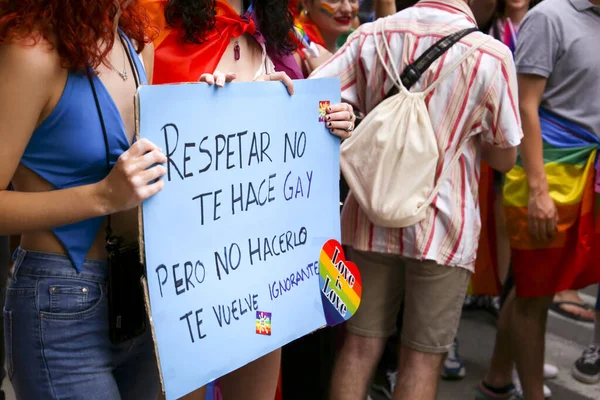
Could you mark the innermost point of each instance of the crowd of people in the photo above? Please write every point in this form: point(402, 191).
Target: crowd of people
point(510, 92)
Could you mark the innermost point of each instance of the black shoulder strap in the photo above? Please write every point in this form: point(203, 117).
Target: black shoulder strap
point(495, 30)
point(413, 72)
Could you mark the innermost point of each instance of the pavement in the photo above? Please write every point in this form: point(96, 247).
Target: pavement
point(565, 342)
point(477, 336)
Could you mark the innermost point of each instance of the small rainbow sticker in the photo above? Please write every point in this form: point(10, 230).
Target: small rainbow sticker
point(263, 323)
point(327, 9)
point(323, 110)
point(340, 284)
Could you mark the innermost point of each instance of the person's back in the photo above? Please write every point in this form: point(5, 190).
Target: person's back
point(477, 100)
point(474, 114)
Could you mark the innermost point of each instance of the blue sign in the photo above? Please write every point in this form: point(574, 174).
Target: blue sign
point(232, 242)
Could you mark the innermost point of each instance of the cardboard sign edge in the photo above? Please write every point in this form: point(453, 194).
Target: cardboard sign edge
point(141, 242)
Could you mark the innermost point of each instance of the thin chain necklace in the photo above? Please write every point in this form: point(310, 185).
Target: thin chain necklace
point(122, 74)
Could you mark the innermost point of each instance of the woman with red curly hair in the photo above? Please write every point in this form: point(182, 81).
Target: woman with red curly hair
point(68, 75)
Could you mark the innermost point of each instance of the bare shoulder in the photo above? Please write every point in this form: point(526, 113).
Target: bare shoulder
point(148, 52)
point(148, 57)
point(36, 61)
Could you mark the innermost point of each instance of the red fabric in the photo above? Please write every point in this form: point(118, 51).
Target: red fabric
point(294, 6)
point(176, 62)
point(574, 265)
point(485, 280)
point(310, 29)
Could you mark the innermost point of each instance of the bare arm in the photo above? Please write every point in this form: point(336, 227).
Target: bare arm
point(502, 160)
point(531, 89)
point(26, 78)
point(543, 216)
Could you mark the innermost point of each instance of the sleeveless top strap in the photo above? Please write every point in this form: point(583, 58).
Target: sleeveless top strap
point(139, 66)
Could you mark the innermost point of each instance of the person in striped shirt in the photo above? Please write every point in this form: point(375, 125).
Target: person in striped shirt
point(428, 264)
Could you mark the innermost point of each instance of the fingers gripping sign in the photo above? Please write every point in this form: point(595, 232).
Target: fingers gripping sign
point(340, 120)
point(135, 177)
point(219, 78)
point(281, 77)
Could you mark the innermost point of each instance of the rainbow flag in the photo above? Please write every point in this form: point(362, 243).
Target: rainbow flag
point(566, 262)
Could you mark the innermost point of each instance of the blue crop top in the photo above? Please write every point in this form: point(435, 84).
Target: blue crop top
point(68, 149)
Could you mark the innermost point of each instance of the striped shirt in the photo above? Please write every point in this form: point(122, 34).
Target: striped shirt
point(478, 100)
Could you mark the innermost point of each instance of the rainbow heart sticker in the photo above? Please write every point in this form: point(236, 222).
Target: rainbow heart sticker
point(340, 284)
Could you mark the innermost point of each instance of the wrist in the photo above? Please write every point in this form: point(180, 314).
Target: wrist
point(101, 198)
point(538, 186)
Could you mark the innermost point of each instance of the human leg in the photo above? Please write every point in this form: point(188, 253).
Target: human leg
point(386, 373)
point(529, 317)
point(499, 374)
point(198, 394)
point(433, 301)
point(418, 375)
point(370, 327)
point(587, 367)
point(355, 365)
point(254, 381)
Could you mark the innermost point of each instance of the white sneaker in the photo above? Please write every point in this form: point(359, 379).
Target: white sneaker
point(550, 371)
point(392, 378)
point(519, 388)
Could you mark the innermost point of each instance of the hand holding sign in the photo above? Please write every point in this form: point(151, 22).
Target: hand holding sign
point(134, 178)
point(341, 285)
point(340, 119)
point(218, 78)
point(279, 76)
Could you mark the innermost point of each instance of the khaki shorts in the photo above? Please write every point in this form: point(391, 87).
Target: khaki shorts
point(433, 297)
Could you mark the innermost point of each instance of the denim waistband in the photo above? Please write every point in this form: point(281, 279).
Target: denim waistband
point(34, 263)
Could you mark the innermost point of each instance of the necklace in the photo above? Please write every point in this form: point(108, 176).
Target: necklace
point(236, 50)
point(122, 74)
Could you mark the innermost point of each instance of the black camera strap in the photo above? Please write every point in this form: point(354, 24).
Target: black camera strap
point(109, 234)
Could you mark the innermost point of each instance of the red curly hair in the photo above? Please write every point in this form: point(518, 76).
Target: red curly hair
point(82, 31)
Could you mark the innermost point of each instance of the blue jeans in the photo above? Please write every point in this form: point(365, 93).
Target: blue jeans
point(598, 300)
point(57, 337)
point(4, 264)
